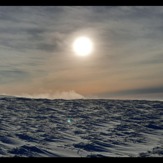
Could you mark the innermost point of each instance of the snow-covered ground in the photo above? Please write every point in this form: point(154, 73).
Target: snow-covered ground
point(80, 128)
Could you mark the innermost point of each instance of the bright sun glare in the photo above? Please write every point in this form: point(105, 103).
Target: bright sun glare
point(82, 46)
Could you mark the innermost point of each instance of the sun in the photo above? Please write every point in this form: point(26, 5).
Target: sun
point(83, 46)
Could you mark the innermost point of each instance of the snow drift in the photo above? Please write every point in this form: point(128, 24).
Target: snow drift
point(80, 128)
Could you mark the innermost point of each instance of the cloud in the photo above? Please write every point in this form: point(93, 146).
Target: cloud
point(138, 91)
point(34, 40)
point(148, 90)
point(12, 76)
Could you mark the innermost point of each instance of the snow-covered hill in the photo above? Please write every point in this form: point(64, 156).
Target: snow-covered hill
point(80, 128)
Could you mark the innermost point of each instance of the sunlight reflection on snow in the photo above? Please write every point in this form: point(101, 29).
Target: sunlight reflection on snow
point(69, 120)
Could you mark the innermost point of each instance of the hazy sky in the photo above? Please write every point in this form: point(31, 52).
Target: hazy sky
point(36, 54)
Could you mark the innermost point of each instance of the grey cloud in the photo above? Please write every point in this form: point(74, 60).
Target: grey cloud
point(22, 33)
point(150, 90)
point(11, 76)
point(47, 47)
point(74, 18)
point(139, 91)
point(157, 59)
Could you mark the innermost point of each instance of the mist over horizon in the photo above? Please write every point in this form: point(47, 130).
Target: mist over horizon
point(72, 95)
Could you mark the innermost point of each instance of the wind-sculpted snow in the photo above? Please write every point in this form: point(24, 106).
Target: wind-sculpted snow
point(80, 128)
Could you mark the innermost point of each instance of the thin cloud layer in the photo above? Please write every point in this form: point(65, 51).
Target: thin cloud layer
point(36, 50)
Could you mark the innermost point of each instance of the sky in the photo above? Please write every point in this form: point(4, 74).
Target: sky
point(36, 57)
